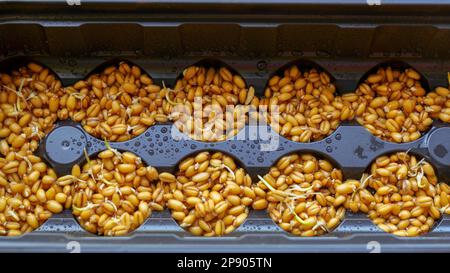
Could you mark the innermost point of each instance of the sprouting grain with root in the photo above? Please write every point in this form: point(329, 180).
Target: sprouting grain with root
point(29, 194)
point(211, 195)
point(29, 106)
point(117, 104)
point(209, 104)
point(302, 105)
point(401, 195)
point(392, 105)
point(114, 193)
point(302, 195)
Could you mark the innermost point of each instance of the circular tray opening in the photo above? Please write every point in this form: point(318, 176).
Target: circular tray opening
point(117, 101)
point(390, 102)
point(302, 102)
point(300, 195)
point(211, 101)
point(212, 195)
point(114, 193)
point(403, 195)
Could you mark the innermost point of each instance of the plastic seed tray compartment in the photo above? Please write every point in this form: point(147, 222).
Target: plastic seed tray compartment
point(255, 49)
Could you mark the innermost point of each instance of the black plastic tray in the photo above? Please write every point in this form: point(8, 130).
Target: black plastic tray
point(255, 39)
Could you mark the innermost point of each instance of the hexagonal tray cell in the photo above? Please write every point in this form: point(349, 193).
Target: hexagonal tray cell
point(29, 107)
point(401, 194)
point(113, 193)
point(302, 102)
point(211, 194)
point(29, 195)
point(29, 98)
point(210, 101)
point(390, 102)
point(117, 101)
point(302, 194)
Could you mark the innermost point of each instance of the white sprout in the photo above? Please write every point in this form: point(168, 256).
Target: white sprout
point(111, 203)
point(35, 130)
point(113, 97)
point(168, 91)
point(291, 197)
point(419, 178)
point(443, 209)
point(87, 207)
point(30, 165)
point(131, 128)
point(109, 183)
point(31, 95)
point(129, 111)
point(70, 178)
point(115, 151)
point(91, 174)
point(320, 224)
point(78, 96)
point(230, 170)
point(13, 214)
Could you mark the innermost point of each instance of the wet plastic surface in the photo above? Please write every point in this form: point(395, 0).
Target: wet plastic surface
point(255, 48)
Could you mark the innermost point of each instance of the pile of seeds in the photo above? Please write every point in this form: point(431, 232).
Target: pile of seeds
point(211, 196)
point(443, 198)
point(201, 103)
point(302, 105)
point(118, 104)
point(113, 194)
point(303, 195)
point(28, 193)
point(29, 102)
point(391, 105)
point(437, 103)
point(403, 196)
